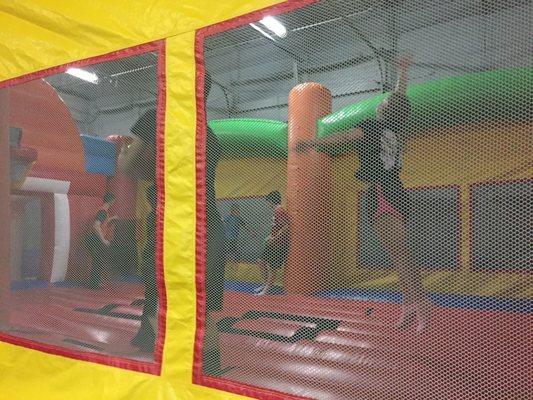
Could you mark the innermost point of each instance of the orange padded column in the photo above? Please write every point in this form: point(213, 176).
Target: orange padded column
point(5, 214)
point(308, 193)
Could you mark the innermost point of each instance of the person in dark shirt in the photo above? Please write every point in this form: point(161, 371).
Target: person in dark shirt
point(233, 223)
point(277, 244)
point(97, 240)
point(379, 146)
point(138, 161)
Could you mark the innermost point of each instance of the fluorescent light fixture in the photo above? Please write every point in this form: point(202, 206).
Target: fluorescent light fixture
point(258, 29)
point(274, 26)
point(83, 75)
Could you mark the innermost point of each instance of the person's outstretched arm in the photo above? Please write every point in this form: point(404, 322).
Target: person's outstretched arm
point(339, 139)
point(97, 226)
point(282, 232)
point(403, 65)
point(136, 159)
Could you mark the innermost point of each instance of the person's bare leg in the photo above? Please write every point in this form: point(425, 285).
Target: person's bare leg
point(264, 274)
point(423, 305)
point(269, 281)
point(392, 233)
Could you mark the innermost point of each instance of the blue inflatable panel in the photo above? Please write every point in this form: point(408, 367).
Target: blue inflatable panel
point(449, 300)
point(100, 155)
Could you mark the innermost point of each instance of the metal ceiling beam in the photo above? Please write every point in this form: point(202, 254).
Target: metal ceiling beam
point(305, 27)
point(309, 70)
point(496, 5)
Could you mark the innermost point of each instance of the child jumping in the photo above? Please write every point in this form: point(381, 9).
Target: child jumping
point(379, 146)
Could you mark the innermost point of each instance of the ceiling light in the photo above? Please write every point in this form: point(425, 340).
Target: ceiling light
point(83, 75)
point(258, 29)
point(274, 26)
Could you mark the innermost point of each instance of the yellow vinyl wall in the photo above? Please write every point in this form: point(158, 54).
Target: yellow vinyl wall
point(39, 34)
point(459, 156)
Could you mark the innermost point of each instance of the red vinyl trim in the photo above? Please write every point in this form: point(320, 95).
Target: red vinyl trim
point(160, 212)
point(120, 362)
point(97, 358)
point(58, 69)
point(201, 124)
point(201, 233)
point(247, 390)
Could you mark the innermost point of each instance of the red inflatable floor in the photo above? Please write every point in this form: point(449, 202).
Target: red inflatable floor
point(350, 350)
point(310, 347)
point(101, 321)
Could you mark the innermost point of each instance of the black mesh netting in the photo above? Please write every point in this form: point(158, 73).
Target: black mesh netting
point(369, 190)
point(83, 203)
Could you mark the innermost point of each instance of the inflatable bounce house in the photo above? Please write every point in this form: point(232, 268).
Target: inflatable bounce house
point(261, 199)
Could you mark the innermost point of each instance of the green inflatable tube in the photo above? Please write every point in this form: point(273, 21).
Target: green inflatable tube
point(478, 97)
point(499, 95)
point(247, 137)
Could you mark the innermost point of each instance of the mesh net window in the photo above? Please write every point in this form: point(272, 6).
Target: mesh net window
point(83, 203)
point(369, 186)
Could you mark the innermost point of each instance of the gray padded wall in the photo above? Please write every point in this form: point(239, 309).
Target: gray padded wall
point(257, 215)
point(502, 226)
point(433, 230)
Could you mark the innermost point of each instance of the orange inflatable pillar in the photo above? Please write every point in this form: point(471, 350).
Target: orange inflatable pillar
point(5, 214)
point(309, 182)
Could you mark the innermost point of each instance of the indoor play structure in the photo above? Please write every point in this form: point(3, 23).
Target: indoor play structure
point(246, 324)
point(55, 194)
point(326, 330)
point(69, 180)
